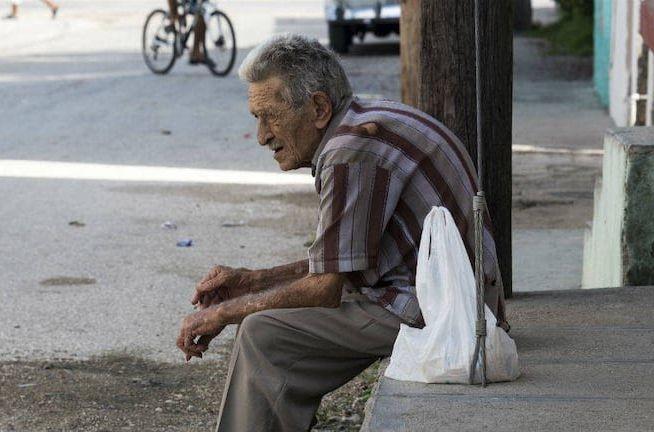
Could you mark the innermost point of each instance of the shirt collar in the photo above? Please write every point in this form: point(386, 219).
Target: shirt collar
point(329, 132)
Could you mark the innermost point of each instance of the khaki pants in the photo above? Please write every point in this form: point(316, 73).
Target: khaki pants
point(285, 360)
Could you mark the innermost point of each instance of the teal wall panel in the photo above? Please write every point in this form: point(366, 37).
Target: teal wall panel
point(602, 49)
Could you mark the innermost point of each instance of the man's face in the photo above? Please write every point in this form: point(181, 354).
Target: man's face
point(292, 134)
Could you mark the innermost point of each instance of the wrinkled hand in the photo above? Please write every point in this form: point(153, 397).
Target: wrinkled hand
point(222, 283)
point(197, 330)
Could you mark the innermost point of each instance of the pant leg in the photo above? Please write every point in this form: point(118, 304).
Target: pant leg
point(197, 51)
point(172, 8)
point(285, 360)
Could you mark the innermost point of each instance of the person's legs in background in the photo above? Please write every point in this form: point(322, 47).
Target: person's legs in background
point(14, 9)
point(53, 7)
point(197, 53)
point(16, 3)
point(172, 9)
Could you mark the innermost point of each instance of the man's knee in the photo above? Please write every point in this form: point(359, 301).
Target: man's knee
point(257, 331)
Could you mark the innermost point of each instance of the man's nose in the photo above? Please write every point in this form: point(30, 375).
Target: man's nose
point(264, 137)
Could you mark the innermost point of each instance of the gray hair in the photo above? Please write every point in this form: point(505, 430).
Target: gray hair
point(303, 65)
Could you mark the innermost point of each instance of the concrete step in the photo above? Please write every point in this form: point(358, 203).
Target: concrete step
point(537, 251)
point(619, 246)
point(586, 362)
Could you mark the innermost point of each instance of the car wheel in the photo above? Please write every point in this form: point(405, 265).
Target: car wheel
point(340, 38)
point(522, 15)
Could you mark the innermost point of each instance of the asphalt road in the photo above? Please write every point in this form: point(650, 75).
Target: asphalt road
point(94, 132)
point(76, 90)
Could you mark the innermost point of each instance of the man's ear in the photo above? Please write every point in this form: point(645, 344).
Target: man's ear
point(323, 109)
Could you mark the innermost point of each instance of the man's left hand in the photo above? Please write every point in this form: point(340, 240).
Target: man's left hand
point(203, 325)
point(222, 283)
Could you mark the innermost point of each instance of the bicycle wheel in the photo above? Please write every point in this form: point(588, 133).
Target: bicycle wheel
point(219, 44)
point(158, 43)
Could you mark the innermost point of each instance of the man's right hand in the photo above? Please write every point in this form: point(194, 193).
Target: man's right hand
point(222, 283)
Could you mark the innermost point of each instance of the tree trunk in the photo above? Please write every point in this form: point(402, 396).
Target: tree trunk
point(438, 77)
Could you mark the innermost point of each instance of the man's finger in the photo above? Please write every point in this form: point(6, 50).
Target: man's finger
point(208, 287)
point(212, 274)
point(217, 271)
point(188, 347)
point(188, 341)
point(194, 351)
point(196, 297)
point(202, 299)
point(180, 342)
point(203, 289)
point(202, 285)
point(203, 342)
point(180, 345)
point(213, 283)
point(210, 299)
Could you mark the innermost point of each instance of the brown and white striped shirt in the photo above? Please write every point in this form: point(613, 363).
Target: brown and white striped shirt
point(379, 170)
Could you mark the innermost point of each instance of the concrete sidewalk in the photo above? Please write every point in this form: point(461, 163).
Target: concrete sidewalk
point(586, 360)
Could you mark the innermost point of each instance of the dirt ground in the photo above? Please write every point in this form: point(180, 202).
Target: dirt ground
point(553, 191)
point(116, 393)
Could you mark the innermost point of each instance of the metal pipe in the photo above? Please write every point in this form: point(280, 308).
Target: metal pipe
point(480, 159)
point(636, 48)
point(479, 207)
point(649, 115)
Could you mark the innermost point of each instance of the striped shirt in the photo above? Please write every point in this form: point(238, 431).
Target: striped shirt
point(379, 170)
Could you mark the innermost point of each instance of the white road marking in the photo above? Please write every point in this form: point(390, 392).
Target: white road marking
point(136, 173)
point(526, 148)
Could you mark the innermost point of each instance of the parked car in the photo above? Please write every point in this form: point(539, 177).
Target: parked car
point(349, 18)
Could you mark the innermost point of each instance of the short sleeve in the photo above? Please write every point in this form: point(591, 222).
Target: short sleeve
point(355, 205)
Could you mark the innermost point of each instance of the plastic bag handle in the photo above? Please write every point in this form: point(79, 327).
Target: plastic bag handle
point(432, 231)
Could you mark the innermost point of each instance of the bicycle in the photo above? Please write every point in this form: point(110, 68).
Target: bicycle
point(164, 41)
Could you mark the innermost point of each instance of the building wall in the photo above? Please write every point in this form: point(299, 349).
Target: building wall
point(620, 71)
point(647, 23)
point(647, 32)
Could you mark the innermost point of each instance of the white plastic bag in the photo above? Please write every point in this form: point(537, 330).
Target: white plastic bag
point(442, 351)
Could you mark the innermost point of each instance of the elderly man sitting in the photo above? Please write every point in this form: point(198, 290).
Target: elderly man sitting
point(380, 166)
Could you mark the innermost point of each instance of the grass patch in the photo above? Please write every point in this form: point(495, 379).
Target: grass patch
point(571, 35)
point(117, 392)
point(342, 409)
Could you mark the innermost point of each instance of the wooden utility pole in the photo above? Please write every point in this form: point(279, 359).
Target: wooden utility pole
point(438, 77)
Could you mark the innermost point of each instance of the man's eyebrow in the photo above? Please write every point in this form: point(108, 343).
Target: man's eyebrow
point(264, 112)
point(258, 112)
